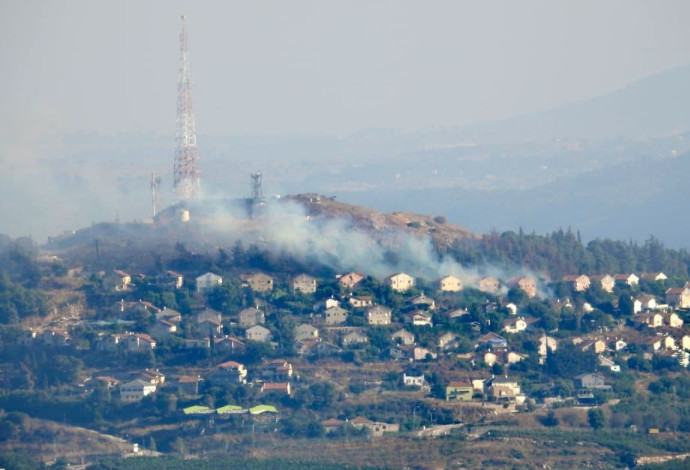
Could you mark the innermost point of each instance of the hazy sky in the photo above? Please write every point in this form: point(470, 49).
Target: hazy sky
point(321, 66)
point(284, 67)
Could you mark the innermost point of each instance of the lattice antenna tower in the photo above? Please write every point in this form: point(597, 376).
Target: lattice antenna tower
point(155, 193)
point(257, 181)
point(186, 183)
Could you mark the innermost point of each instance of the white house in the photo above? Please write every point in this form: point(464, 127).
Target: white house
point(208, 281)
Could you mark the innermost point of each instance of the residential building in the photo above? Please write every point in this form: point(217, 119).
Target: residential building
point(459, 390)
point(282, 388)
point(577, 283)
point(525, 284)
point(250, 317)
point(489, 285)
point(303, 283)
point(418, 318)
point(591, 381)
point(136, 390)
point(653, 277)
point(335, 316)
point(403, 337)
point(208, 281)
point(259, 282)
point(400, 282)
point(379, 315)
point(258, 333)
point(450, 284)
point(361, 301)
point(117, 281)
point(349, 280)
point(413, 380)
point(138, 342)
point(162, 329)
point(626, 279)
point(305, 331)
point(354, 337)
point(678, 297)
point(228, 373)
point(423, 302)
point(605, 281)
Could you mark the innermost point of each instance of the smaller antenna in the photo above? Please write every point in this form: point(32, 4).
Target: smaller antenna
point(257, 181)
point(155, 193)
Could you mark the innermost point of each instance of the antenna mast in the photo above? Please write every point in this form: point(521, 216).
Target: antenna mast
point(257, 191)
point(186, 184)
point(155, 193)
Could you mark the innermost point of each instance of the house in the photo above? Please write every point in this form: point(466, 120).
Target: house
point(140, 307)
point(652, 320)
point(449, 284)
point(189, 384)
point(136, 390)
point(210, 327)
point(109, 342)
point(505, 389)
point(326, 304)
point(447, 340)
point(305, 331)
point(229, 373)
point(459, 390)
point(678, 297)
point(303, 283)
point(658, 342)
point(379, 315)
point(457, 313)
point(258, 333)
point(138, 342)
point(418, 318)
point(354, 337)
point(403, 337)
point(596, 345)
point(281, 388)
point(277, 370)
point(684, 342)
point(547, 344)
point(208, 314)
point(332, 425)
point(515, 325)
point(400, 282)
point(502, 357)
point(413, 380)
point(420, 353)
point(54, 337)
point(250, 317)
point(489, 284)
point(492, 340)
point(672, 320)
point(117, 281)
point(577, 283)
point(608, 364)
point(335, 315)
point(626, 279)
point(208, 281)
point(349, 280)
point(162, 329)
point(653, 277)
point(401, 352)
point(200, 343)
point(229, 344)
point(168, 314)
point(361, 301)
point(169, 280)
point(259, 282)
point(644, 302)
point(152, 376)
point(422, 302)
point(605, 281)
point(591, 381)
point(376, 429)
point(617, 344)
point(525, 284)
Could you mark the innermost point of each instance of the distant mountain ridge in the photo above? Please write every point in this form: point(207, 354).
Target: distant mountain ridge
point(653, 106)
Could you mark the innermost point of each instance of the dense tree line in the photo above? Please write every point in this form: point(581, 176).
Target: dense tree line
point(563, 252)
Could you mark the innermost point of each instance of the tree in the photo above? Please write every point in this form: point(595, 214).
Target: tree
point(596, 418)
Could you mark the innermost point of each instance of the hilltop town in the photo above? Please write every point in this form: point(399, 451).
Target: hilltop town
point(219, 352)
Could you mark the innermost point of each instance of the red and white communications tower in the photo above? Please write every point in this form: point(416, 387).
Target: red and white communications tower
point(186, 173)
